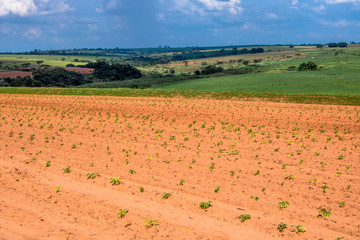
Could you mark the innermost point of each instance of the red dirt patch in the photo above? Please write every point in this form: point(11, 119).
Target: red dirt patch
point(257, 154)
point(80, 70)
point(14, 74)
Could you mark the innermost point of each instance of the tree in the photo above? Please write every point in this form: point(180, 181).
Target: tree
point(308, 66)
point(332, 45)
point(342, 44)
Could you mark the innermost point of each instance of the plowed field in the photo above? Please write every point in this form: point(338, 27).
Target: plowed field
point(69, 165)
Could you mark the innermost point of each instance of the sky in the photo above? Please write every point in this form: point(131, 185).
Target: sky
point(66, 24)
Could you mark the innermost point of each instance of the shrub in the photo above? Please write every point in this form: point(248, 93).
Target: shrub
point(308, 66)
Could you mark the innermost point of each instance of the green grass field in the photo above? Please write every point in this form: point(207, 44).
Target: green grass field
point(339, 74)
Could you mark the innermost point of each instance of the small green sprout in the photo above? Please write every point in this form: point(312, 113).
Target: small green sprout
point(324, 213)
point(150, 223)
point(283, 205)
point(281, 227)
point(166, 195)
point(205, 205)
point(122, 212)
point(244, 217)
point(115, 181)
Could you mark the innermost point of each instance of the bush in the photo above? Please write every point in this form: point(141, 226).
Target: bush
point(308, 66)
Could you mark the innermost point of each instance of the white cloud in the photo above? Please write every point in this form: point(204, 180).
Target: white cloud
point(32, 7)
point(272, 16)
point(17, 7)
point(33, 33)
point(205, 7)
point(341, 1)
point(341, 23)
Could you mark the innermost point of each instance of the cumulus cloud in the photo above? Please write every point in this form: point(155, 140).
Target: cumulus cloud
point(341, 1)
point(205, 7)
point(32, 7)
point(341, 23)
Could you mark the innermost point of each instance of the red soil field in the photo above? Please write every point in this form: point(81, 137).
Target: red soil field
point(279, 163)
point(14, 74)
point(79, 70)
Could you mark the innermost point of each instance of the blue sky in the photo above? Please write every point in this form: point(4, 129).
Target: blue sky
point(63, 24)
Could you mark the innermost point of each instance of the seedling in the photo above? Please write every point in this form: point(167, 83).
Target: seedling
point(115, 181)
point(150, 223)
point(48, 164)
point(300, 229)
point(141, 189)
point(257, 173)
point(283, 205)
point(289, 177)
point(166, 195)
point(122, 212)
point(67, 170)
point(58, 189)
point(205, 205)
point(281, 227)
point(342, 204)
point(244, 217)
point(324, 188)
point(92, 175)
point(132, 171)
point(324, 213)
point(182, 182)
point(217, 189)
point(253, 197)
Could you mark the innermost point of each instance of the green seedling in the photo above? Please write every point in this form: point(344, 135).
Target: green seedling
point(283, 205)
point(324, 188)
point(92, 175)
point(244, 217)
point(281, 227)
point(58, 189)
point(48, 164)
point(141, 189)
point(115, 181)
point(217, 189)
point(300, 229)
point(132, 171)
point(66, 170)
point(150, 223)
point(122, 212)
point(324, 213)
point(182, 182)
point(289, 177)
point(205, 205)
point(166, 195)
point(342, 204)
point(257, 173)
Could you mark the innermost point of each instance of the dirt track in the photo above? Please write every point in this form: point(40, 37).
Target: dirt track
point(257, 153)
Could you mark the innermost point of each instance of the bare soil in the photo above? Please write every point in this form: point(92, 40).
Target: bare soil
point(254, 154)
point(14, 74)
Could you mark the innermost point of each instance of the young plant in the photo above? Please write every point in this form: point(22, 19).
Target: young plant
point(58, 189)
point(122, 212)
point(205, 205)
point(281, 227)
point(92, 175)
point(283, 205)
point(324, 188)
point(217, 189)
point(48, 164)
point(182, 182)
point(115, 181)
point(67, 169)
point(324, 213)
point(141, 189)
point(150, 223)
point(244, 217)
point(132, 171)
point(342, 204)
point(300, 229)
point(166, 195)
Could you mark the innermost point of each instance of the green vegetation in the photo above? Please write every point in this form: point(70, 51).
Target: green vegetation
point(244, 217)
point(272, 75)
point(205, 205)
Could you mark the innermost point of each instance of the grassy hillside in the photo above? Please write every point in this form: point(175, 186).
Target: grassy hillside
point(339, 74)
